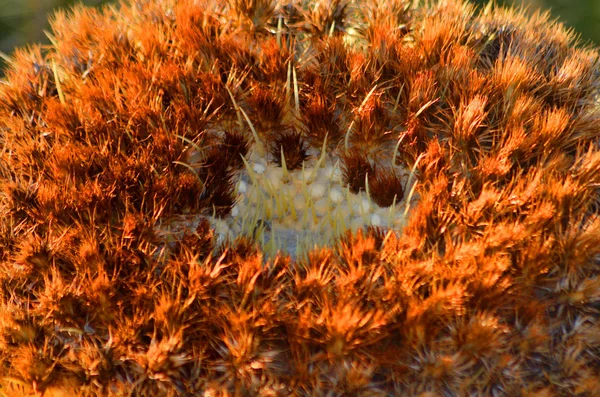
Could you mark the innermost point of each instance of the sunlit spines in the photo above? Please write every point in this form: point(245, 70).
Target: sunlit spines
point(495, 240)
point(253, 14)
point(328, 17)
point(371, 124)
point(321, 119)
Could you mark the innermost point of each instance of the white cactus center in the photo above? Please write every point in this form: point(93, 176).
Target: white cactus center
point(293, 211)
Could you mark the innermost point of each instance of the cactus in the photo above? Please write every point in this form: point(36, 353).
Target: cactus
point(261, 197)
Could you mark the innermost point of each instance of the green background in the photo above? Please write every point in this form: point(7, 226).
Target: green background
point(582, 15)
point(24, 21)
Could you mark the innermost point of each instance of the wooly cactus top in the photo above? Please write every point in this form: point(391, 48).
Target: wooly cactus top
point(341, 198)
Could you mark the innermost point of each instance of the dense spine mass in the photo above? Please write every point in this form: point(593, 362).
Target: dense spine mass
point(143, 115)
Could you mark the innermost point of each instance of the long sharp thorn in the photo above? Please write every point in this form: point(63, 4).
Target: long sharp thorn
point(296, 92)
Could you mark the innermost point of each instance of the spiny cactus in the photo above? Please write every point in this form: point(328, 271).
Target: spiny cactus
point(300, 198)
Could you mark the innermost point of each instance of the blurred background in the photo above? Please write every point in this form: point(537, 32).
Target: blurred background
point(24, 21)
point(581, 15)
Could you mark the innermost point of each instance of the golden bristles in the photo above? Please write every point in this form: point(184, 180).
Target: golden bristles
point(144, 115)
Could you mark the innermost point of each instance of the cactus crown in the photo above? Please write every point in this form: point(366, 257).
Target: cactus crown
point(161, 159)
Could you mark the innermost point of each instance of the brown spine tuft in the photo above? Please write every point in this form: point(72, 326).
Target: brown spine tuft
point(355, 168)
point(294, 149)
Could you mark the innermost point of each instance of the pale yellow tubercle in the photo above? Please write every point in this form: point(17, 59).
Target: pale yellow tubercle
point(294, 211)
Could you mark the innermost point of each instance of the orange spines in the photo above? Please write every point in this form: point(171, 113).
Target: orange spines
point(321, 119)
point(124, 148)
point(269, 108)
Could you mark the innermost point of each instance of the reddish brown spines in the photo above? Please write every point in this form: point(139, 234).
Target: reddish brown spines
point(331, 63)
point(355, 168)
point(385, 187)
point(384, 183)
point(208, 181)
point(321, 120)
point(273, 60)
point(291, 143)
point(217, 173)
point(500, 248)
point(200, 242)
point(494, 44)
point(371, 123)
point(269, 108)
point(220, 196)
point(33, 82)
point(235, 145)
point(188, 190)
point(34, 257)
point(387, 24)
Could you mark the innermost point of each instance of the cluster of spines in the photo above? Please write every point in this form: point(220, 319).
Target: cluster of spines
point(492, 288)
